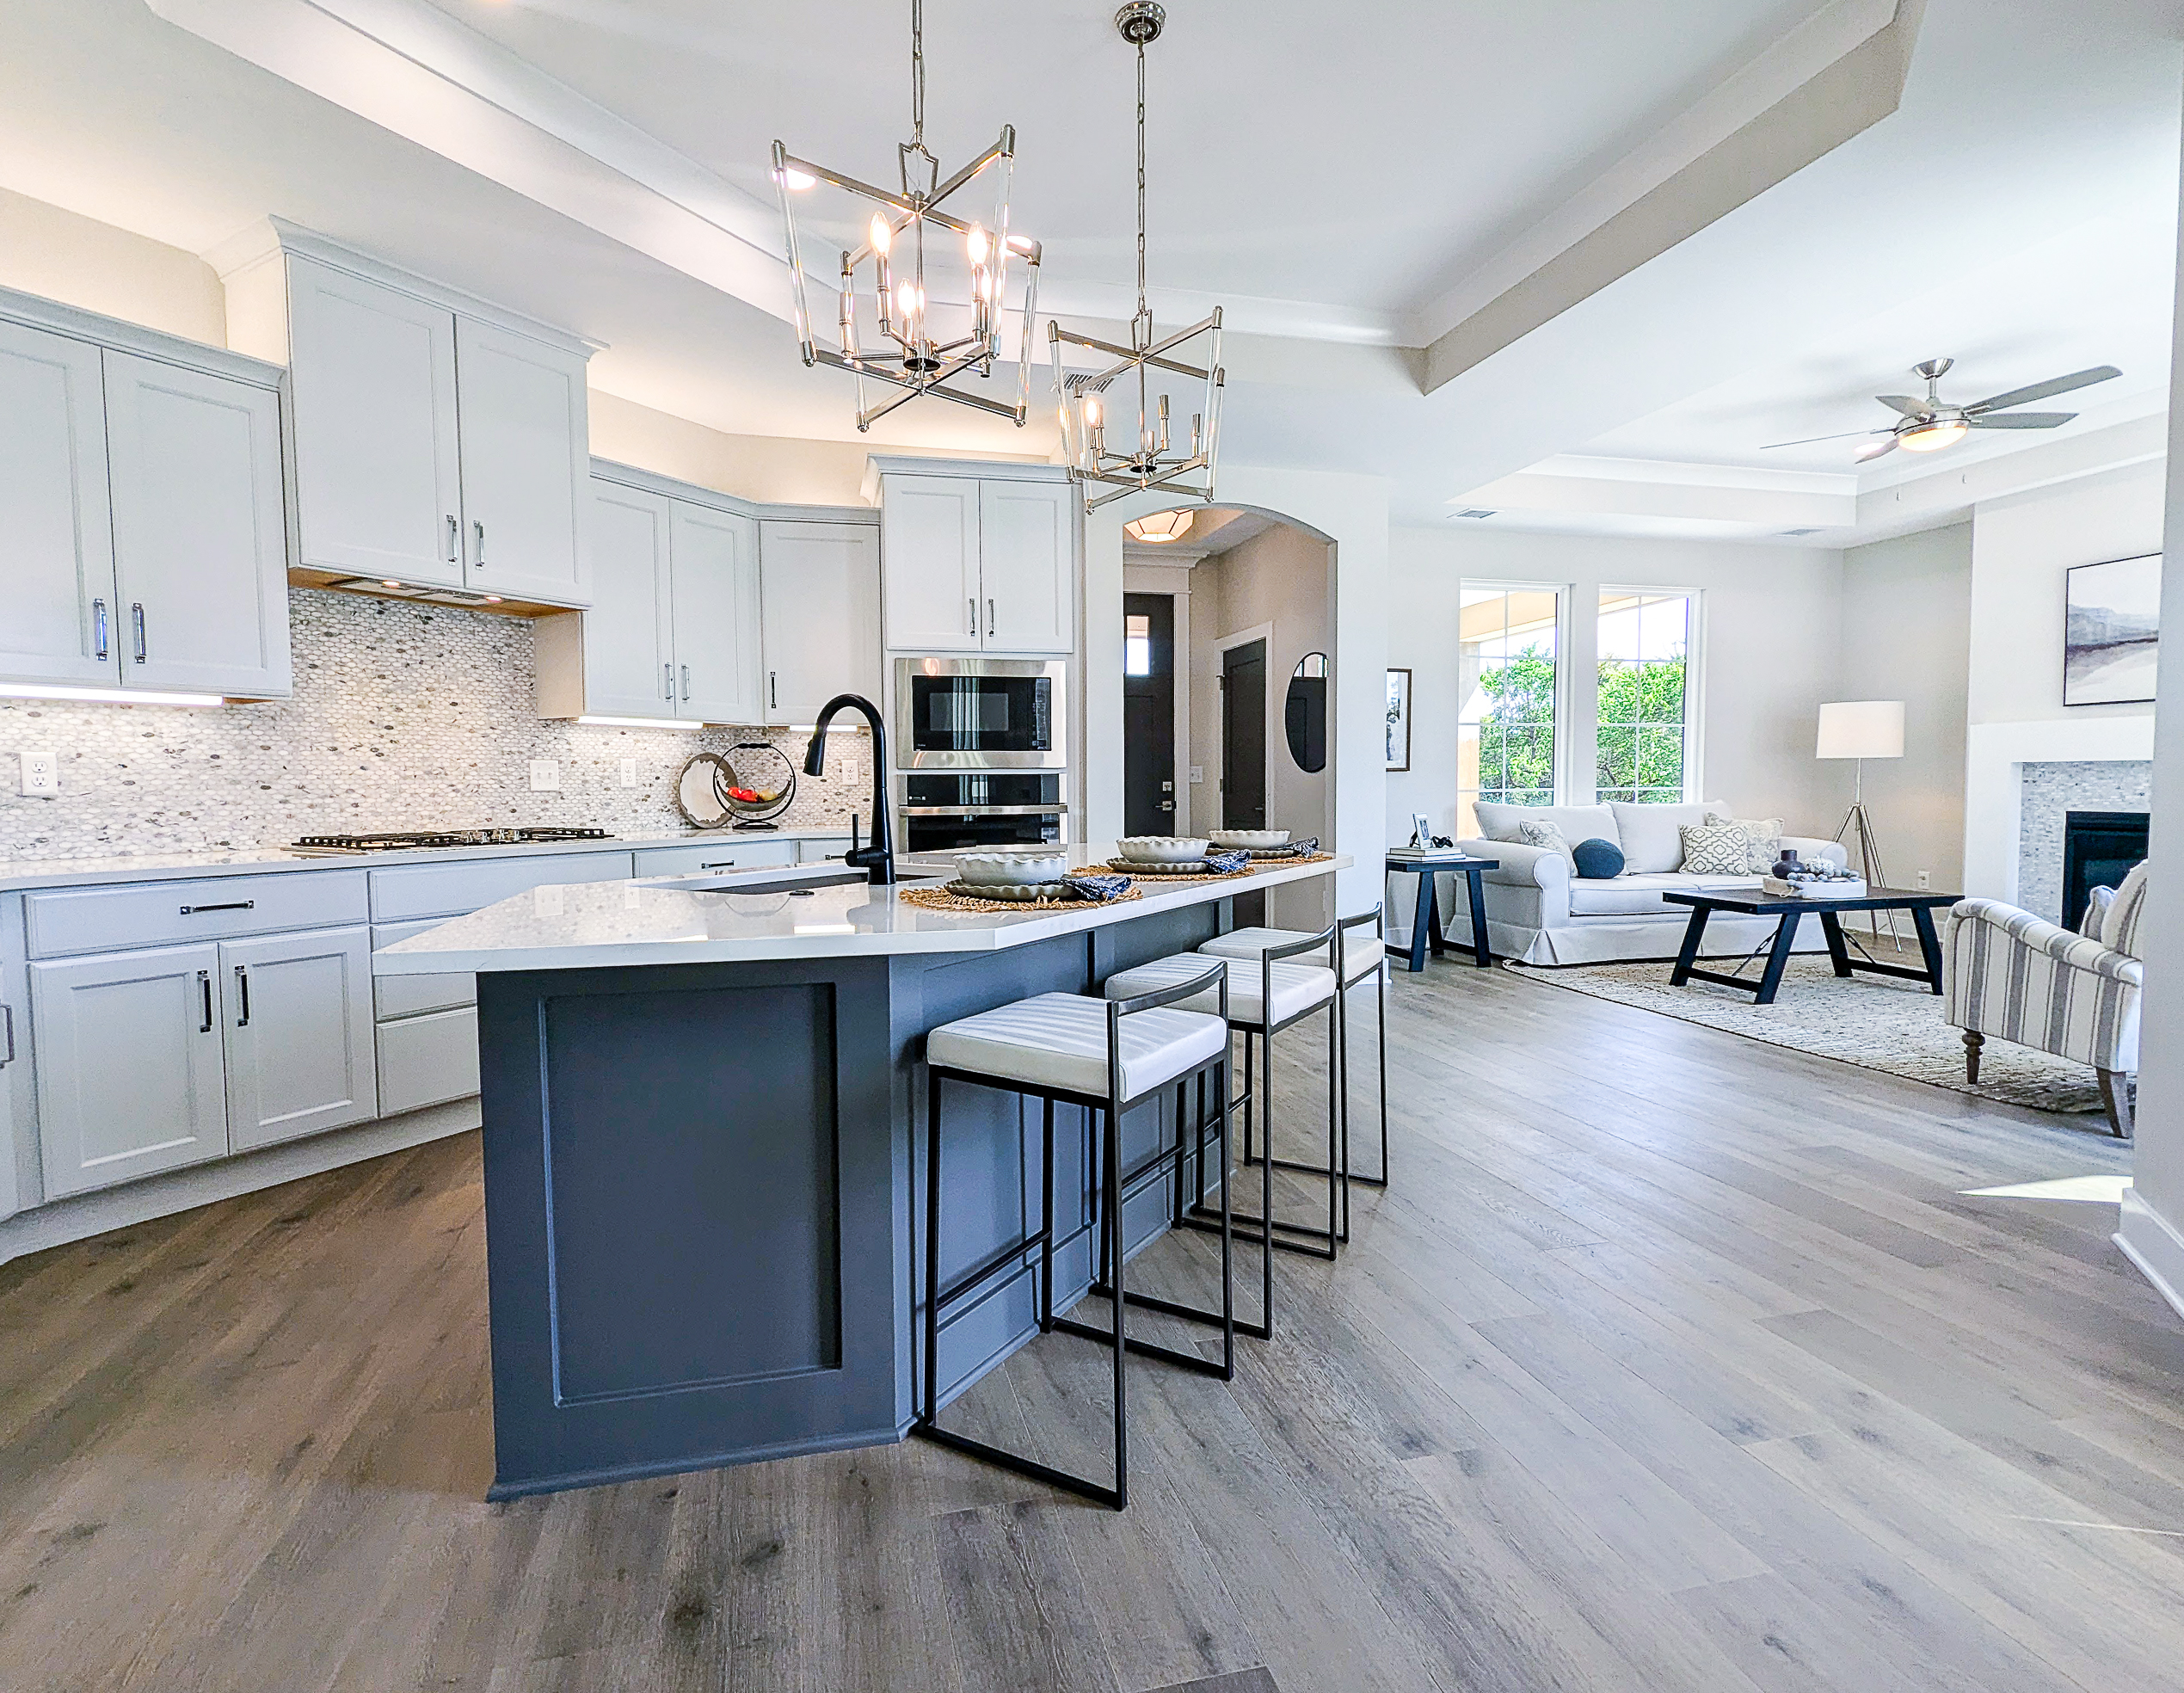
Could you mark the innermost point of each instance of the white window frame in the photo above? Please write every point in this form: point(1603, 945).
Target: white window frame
point(1695, 684)
point(1566, 594)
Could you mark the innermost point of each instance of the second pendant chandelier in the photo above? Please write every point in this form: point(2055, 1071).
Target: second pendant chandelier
point(1145, 454)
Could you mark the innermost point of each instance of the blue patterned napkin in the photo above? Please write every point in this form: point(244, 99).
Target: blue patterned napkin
point(1100, 888)
point(1310, 844)
point(1220, 863)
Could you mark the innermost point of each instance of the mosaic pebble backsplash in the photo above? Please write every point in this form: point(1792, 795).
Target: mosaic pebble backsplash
point(404, 716)
point(2050, 791)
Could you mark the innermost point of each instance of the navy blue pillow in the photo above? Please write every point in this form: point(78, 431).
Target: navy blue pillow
point(1598, 860)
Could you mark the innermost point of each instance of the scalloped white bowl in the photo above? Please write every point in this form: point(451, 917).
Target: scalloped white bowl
point(1011, 869)
point(1248, 840)
point(1161, 848)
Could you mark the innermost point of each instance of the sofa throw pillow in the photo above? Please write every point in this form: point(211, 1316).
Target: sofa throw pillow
point(1535, 832)
point(1765, 834)
point(1716, 849)
point(2120, 929)
point(2095, 919)
point(1598, 860)
point(1647, 833)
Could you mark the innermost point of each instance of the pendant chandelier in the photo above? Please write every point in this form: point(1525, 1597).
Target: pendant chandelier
point(933, 286)
point(1148, 368)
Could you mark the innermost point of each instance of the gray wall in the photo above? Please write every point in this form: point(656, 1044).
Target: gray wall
point(404, 716)
point(1906, 635)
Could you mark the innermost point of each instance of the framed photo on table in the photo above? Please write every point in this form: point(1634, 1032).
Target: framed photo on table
point(1398, 719)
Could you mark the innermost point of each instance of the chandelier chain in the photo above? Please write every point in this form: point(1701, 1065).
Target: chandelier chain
point(1141, 179)
point(918, 73)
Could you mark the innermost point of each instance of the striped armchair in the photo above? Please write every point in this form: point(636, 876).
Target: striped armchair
point(2017, 976)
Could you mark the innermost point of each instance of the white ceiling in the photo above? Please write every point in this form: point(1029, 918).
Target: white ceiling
point(2017, 212)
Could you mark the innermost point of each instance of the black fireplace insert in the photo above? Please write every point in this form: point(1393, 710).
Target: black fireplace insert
point(2098, 849)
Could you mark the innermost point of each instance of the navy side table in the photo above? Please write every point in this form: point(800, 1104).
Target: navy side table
point(1425, 925)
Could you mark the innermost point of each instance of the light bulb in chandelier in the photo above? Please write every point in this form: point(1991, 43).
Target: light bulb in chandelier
point(934, 281)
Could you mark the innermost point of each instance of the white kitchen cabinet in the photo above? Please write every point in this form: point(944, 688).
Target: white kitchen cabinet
point(616, 660)
point(296, 1014)
point(978, 563)
point(929, 536)
point(379, 468)
point(18, 1149)
point(526, 462)
point(1027, 550)
point(820, 615)
point(58, 625)
point(200, 560)
point(715, 562)
point(130, 1077)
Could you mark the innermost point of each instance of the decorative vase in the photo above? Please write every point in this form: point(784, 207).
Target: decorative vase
point(1783, 865)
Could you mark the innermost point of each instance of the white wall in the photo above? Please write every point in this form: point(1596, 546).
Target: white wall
point(1906, 635)
point(80, 262)
point(1769, 657)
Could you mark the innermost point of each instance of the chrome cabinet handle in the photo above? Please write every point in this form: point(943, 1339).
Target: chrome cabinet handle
point(137, 617)
point(243, 990)
point(972, 629)
point(773, 690)
point(989, 618)
point(8, 1020)
point(686, 684)
point(230, 905)
point(667, 681)
point(480, 527)
point(454, 540)
point(98, 625)
point(205, 987)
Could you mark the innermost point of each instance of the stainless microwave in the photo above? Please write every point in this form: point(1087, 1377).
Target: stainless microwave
point(981, 714)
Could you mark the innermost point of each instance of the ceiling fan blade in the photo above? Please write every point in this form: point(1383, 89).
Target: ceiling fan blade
point(1809, 441)
point(1887, 444)
point(2040, 390)
point(1904, 404)
point(2023, 420)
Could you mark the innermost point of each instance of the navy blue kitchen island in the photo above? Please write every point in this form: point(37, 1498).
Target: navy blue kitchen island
point(699, 1102)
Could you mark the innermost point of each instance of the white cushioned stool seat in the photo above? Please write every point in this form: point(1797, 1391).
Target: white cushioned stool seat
point(1060, 1041)
point(1363, 952)
point(1297, 988)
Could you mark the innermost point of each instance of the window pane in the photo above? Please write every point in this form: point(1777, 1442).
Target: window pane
point(1643, 697)
point(1506, 687)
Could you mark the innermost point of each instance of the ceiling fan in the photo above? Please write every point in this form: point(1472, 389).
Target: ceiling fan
point(1928, 425)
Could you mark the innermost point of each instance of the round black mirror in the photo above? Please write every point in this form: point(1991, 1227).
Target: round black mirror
point(1304, 712)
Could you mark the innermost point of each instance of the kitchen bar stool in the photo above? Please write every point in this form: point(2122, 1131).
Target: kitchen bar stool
point(1108, 1056)
point(1363, 955)
point(1261, 1003)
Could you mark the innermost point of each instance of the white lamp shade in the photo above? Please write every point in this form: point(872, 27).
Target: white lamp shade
point(1862, 729)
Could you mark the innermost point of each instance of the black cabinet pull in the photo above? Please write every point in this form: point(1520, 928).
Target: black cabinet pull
point(205, 986)
point(232, 905)
point(242, 991)
point(7, 1017)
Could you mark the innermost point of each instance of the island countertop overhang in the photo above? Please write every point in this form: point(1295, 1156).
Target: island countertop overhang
point(646, 923)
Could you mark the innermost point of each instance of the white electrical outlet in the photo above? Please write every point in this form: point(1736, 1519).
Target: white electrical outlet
point(1197, 772)
point(545, 775)
point(629, 772)
point(41, 775)
point(1925, 880)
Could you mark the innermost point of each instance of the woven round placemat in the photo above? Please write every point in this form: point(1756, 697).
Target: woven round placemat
point(939, 899)
point(1136, 872)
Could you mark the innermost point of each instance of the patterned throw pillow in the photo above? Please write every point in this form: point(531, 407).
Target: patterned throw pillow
point(1716, 849)
point(1547, 835)
point(1766, 836)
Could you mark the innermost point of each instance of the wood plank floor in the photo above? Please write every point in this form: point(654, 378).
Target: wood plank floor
point(1670, 1361)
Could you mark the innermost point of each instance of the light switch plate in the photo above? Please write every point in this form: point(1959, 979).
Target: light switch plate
point(1197, 772)
point(41, 775)
point(629, 772)
point(545, 775)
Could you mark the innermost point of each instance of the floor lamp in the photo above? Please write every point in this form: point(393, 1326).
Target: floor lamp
point(1863, 730)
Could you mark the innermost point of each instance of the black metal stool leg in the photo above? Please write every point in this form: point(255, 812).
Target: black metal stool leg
point(1113, 1148)
point(933, 1246)
point(1046, 1218)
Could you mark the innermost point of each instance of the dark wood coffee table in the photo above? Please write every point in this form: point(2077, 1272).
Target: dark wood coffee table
point(1756, 902)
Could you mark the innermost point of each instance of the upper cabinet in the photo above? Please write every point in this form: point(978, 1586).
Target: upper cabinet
point(978, 563)
point(820, 614)
point(141, 496)
point(714, 566)
point(439, 440)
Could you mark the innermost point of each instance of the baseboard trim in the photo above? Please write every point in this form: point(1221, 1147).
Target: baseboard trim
point(2156, 1245)
point(83, 1215)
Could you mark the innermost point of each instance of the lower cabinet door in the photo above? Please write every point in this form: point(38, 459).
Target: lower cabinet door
point(427, 1061)
point(130, 1068)
point(297, 1015)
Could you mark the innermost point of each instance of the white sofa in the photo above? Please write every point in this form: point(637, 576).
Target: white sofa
point(1541, 912)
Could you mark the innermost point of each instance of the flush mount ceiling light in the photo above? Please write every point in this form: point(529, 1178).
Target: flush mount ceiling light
point(1160, 528)
point(925, 272)
point(1148, 364)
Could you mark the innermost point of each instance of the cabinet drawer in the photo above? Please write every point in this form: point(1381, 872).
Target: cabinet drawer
point(818, 852)
point(451, 889)
point(427, 1061)
point(714, 855)
point(154, 913)
point(407, 995)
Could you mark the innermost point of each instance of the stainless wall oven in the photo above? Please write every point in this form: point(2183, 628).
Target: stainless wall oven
point(943, 811)
point(981, 714)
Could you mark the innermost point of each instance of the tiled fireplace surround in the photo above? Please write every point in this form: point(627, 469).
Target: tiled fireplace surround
point(2019, 780)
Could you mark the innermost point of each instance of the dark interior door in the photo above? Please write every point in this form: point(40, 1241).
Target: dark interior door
point(1243, 737)
point(1148, 714)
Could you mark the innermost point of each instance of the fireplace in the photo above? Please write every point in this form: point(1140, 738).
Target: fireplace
point(2098, 849)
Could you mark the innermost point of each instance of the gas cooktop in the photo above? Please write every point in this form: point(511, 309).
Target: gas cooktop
point(428, 840)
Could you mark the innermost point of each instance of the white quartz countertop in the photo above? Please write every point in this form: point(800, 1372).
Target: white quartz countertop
point(612, 923)
point(20, 873)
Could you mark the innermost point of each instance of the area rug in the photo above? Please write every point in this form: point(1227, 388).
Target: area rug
point(1869, 1021)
